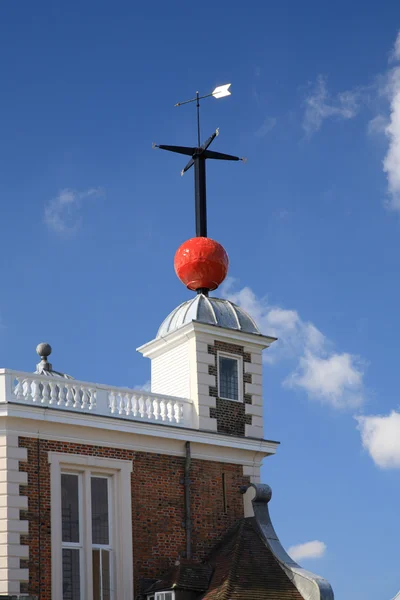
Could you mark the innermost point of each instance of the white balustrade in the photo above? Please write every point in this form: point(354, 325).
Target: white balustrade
point(72, 395)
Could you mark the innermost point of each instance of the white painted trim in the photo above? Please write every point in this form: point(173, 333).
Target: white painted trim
point(158, 345)
point(239, 360)
point(121, 470)
point(29, 420)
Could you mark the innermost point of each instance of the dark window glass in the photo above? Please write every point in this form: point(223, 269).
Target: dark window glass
point(228, 378)
point(70, 508)
point(101, 574)
point(105, 573)
point(100, 533)
point(71, 574)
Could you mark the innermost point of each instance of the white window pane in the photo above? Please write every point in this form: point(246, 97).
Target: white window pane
point(228, 378)
point(71, 574)
point(100, 532)
point(168, 596)
point(70, 507)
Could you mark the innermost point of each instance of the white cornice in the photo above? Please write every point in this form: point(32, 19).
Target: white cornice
point(147, 437)
point(158, 345)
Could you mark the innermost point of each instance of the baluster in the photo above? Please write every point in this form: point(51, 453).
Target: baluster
point(121, 404)
point(163, 410)
point(177, 412)
point(85, 398)
point(92, 398)
point(112, 402)
point(134, 405)
point(77, 397)
point(19, 388)
point(36, 390)
point(128, 404)
point(15, 387)
point(156, 408)
point(53, 393)
point(27, 389)
point(46, 393)
point(70, 397)
point(169, 411)
point(149, 408)
point(141, 407)
point(61, 396)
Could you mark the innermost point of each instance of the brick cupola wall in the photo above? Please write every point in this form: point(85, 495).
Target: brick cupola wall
point(231, 415)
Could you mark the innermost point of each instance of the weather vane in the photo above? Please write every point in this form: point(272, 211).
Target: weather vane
point(199, 154)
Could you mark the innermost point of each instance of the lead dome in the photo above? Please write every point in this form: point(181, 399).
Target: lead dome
point(212, 311)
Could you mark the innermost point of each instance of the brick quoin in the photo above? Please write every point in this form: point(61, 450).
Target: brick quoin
point(158, 531)
point(231, 415)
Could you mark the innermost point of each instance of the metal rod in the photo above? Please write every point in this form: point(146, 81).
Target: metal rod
point(192, 100)
point(198, 120)
point(200, 196)
point(188, 517)
point(39, 519)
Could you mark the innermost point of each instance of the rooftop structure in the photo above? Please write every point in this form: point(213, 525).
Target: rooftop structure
point(111, 493)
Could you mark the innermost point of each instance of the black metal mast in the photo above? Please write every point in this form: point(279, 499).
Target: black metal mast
point(198, 159)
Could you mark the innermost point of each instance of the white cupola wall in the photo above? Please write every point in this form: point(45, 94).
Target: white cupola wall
point(210, 351)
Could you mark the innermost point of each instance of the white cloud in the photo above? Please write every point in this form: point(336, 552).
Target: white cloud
point(336, 379)
point(380, 436)
point(377, 125)
point(314, 549)
point(144, 387)
point(320, 105)
point(395, 53)
point(331, 378)
point(391, 162)
point(62, 213)
point(266, 127)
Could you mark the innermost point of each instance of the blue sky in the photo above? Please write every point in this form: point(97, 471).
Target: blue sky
point(92, 216)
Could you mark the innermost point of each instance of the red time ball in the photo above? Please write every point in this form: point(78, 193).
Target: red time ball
point(201, 263)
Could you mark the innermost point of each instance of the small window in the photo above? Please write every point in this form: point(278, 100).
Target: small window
point(162, 596)
point(229, 377)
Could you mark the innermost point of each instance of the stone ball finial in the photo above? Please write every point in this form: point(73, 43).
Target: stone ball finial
point(44, 350)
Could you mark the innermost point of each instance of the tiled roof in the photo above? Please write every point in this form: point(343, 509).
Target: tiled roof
point(244, 567)
point(249, 563)
point(190, 577)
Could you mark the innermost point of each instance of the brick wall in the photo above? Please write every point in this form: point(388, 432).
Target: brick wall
point(231, 415)
point(157, 507)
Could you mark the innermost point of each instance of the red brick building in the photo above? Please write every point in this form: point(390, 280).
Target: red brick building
point(118, 494)
point(105, 490)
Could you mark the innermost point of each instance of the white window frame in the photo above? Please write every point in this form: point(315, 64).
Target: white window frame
point(119, 474)
point(110, 547)
point(239, 361)
point(161, 595)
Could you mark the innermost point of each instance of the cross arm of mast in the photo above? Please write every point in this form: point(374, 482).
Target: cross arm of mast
point(210, 139)
point(219, 155)
point(178, 149)
point(190, 164)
